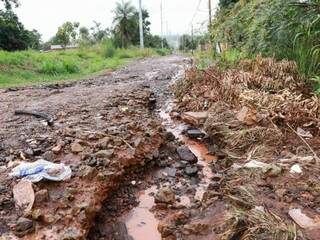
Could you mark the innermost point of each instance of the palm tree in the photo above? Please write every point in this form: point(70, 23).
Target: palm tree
point(124, 22)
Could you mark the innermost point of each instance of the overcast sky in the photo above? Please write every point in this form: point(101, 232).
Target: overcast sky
point(47, 15)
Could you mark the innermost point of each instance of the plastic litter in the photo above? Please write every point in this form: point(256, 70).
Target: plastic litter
point(255, 164)
point(42, 169)
point(296, 169)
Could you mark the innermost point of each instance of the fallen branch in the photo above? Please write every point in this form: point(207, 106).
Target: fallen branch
point(35, 114)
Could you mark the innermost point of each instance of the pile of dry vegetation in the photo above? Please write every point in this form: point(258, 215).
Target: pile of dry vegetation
point(265, 119)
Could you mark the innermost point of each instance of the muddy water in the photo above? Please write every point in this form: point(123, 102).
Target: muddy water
point(140, 221)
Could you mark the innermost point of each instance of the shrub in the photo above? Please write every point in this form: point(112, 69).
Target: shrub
point(108, 49)
point(123, 55)
point(50, 67)
point(70, 67)
point(54, 68)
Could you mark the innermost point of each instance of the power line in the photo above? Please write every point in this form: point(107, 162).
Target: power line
point(195, 13)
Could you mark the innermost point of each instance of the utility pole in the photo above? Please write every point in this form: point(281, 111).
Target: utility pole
point(141, 25)
point(161, 24)
point(210, 14)
point(192, 39)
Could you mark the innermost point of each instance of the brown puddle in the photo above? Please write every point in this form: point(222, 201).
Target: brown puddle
point(140, 222)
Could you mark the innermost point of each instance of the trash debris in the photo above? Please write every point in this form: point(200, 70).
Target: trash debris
point(42, 169)
point(303, 220)
point(256, 164)
point(296, 169)
point(36, 114)
point(23, 195)
point(303, 133)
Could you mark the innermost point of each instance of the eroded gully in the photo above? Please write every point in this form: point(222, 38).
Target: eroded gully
point(141, 222)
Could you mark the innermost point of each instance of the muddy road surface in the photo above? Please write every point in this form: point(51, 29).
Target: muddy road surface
point(132, 170)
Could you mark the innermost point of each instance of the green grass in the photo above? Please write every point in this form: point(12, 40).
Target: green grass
point(30, 67)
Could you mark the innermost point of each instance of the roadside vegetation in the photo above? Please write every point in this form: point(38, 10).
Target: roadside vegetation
point(82, 51)
point(33, 67)
point(283, 29)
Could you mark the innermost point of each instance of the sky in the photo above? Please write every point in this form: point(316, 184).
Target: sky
point(47, 15)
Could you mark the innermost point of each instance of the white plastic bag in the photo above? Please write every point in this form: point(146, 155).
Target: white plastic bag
point(42, 169)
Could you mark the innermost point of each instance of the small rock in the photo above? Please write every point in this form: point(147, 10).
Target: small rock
point(195, 118)
point(170, 171)
point(76, 148)
point(24, 226)
point(165, 195)
point(28, 152)
point(303, 220)
point(105, 153)
point(88, 172)
point(36, 214)
point(195, 133)
point(71, 234)
point(169, 136)
point(57, 149)
point(49, 156)
point(41, 196)
point(48, 219)
point(191, 171)
point(185, 154)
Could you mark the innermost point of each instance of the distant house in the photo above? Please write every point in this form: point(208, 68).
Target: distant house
point(60, 47)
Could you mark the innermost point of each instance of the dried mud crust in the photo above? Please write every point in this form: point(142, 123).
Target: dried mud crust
point(101, 127)
point(261, 111)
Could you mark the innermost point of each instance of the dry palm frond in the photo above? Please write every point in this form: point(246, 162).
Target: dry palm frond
point(258, 223)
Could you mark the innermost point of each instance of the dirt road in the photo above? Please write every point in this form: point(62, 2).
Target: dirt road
point(107, 130)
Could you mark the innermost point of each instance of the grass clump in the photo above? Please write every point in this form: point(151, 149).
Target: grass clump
point(108, 49)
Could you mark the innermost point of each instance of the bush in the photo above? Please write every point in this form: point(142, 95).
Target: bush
point(70, 67)
point(279, 28)
point(162, 52)
point(123, 55)
point(54, 68)
point(50, 67)
point(108, 49)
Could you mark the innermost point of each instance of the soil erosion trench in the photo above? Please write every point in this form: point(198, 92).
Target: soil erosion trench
point(141, 221)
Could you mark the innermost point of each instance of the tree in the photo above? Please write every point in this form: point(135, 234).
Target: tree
point(84, 34)
point(155, 41)
point(186, 43)
point(227, 3)
point(66, 34)
point(34, 41)
point(8, 3)
point(125, 23)
point(13, 35)
point(98, 33)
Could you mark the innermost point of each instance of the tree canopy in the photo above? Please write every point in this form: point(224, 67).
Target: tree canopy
point(13, 35)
